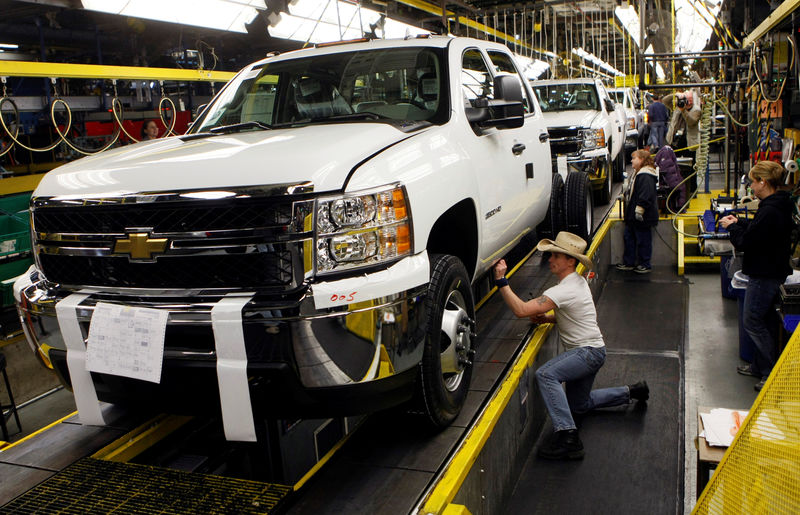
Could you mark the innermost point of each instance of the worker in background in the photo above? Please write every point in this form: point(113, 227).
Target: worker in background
point(641, 214)
point(149, 130)
point(684, 127)
point(576, 319)
point(766, 243)
point(657, 117)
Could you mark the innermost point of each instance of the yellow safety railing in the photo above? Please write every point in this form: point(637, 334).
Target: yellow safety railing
point(759, 473)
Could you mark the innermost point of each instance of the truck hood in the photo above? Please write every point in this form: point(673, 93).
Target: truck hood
point(573, 118)
point(321, 154)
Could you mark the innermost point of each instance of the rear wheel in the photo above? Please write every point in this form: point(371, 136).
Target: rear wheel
point(578, 202)
point(446, 367)
point(554, 221)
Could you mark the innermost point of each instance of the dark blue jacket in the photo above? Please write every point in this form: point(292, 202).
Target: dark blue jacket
point(643, 194)
point(766, 239)
point(657, 112)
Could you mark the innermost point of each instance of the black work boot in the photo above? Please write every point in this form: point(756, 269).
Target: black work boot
point(565, 445)
point(639, 391)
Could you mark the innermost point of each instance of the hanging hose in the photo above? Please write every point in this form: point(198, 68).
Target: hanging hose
point(704, 127)
point(161, 114)
point(16, 117)
point(16, 133)
point(62, 135)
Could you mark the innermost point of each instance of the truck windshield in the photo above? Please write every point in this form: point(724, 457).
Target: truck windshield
point(567, 97)
point(374, 85)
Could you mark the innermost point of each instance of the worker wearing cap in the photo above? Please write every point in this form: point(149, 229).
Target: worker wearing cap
point(576, 318)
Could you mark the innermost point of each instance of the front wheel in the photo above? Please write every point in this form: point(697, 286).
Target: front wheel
point(446, 367)
point(603, 195)
point(579, 208)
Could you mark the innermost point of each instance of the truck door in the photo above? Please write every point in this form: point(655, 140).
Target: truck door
point(503, 160)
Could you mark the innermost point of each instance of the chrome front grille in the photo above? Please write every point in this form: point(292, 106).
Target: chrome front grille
point(242, 242)
point(565, 140)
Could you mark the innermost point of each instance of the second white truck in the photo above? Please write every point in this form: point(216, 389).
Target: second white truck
point(587, 130)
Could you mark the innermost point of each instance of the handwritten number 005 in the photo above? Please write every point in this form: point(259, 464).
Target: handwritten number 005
point(348, 297)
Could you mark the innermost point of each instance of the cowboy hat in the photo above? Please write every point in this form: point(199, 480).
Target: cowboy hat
point(569, 244)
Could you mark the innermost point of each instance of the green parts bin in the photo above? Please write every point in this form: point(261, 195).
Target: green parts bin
point(15, 230)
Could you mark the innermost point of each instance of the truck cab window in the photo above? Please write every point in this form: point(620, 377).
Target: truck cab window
point(503, 63)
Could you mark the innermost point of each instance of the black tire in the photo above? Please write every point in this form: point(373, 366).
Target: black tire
point(603, 195)
point(554, 221)
point(449, 300)
point(619, 166)
point(579, 207)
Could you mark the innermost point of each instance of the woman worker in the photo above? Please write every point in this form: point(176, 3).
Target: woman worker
point(765, 241)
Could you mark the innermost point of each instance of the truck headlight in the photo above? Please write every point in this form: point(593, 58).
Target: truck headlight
point(362, 229)
point(593, 138)
point(631, 123)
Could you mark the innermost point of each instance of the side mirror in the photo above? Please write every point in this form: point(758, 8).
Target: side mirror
point(609, 105)
point(505, 111)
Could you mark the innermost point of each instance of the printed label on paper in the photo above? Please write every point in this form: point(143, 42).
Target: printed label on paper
point(127, 341)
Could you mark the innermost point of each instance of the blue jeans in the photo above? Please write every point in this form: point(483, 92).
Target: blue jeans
point(637, 241)
point(658, 131)
point(576, 368)
point(758, 313)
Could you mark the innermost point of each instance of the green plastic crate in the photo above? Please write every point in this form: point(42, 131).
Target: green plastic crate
point(15, 203)
point(15, 237)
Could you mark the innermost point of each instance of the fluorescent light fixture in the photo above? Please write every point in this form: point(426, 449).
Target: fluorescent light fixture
point(588, 56)
point(693, 27)
point(9, 46)
point(629, 19)
point(531, 68)
point(320, 22)
point(230, 15)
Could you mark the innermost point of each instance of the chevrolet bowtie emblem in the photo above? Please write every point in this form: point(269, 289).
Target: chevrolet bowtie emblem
point(139, 245)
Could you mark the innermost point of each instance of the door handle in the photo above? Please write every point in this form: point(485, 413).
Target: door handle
point(543, 136)
point(518, 149)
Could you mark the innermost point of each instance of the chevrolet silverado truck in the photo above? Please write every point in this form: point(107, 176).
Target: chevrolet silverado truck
point(307, 249)
point(586, 131)
point(634, 116)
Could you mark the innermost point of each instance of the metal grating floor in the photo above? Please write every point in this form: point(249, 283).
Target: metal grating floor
point(98, 486)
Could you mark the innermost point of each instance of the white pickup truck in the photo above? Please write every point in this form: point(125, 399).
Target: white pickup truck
point(634, 123)
point(587, 130)
point(310, 244)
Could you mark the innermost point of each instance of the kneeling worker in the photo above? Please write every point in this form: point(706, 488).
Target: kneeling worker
point(585, 352)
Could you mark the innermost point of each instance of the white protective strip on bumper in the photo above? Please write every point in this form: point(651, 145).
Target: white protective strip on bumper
point(82, 386)
point(234, 390)
point(403, 275)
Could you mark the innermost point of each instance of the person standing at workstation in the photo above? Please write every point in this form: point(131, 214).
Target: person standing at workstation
point(576, 319)
point(641, 214)
point(657, 117)
point(766, 243)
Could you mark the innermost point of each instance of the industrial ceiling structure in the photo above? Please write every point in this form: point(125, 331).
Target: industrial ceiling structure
point(607, 30)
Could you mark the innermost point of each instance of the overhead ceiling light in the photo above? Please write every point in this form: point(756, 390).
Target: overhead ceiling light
point(230, 15)
point(320, 22)
point(694, 24)
point(588, 56)
point(531, 68)
point(9, 46)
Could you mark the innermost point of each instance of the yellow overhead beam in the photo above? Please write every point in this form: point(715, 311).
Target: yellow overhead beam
point(428, 7)
point(95, 71)
point(772, 21)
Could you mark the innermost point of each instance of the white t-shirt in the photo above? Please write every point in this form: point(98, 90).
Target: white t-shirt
point(575, 312)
